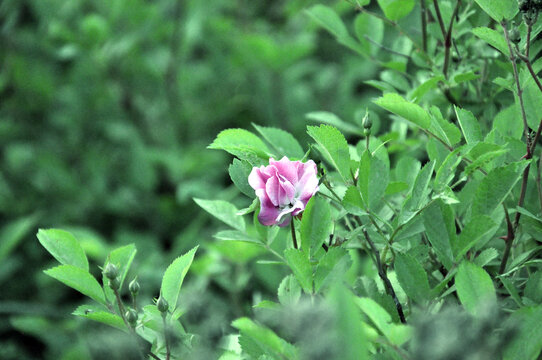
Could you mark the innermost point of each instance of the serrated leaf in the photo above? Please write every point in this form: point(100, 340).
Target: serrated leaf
point(495, 187)
point(241, 143)
point(493, 38)
point(331, 267)
point(289, 291)
point(443, 129)
point(396, 9)
point(239, 171)
point(282, 141)
point(78, 279)
point(469, 125)
point(334, 146)
point(439, 226)
point(477, 228)
point(64, 247)
point(412, 277)
point(104, 317)
point(412, 112)
point(485, 257)
point(316, 225)
point(474, 288)
point(122, 258)
point(174, 276)
point(300, 265)
point(373, 180)
point(499, 9)
point(352, 201)
point(224, 211)
point(333, 120)
point(328, 19)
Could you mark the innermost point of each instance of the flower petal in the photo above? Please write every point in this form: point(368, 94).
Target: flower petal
point(288, 169)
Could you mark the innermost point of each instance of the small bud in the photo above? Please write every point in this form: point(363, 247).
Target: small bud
point(162, 304)
point(514, 35)
point(366, 132)
point(367, 122)
point(110, 271)
point(131, 316)
point(134, 287)
point(114, 283)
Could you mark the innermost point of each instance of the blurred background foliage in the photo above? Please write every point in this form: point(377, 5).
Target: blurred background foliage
point(106, 108)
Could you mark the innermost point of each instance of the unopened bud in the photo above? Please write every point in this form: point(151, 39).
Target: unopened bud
point(366, 132)
point(110, 271)
point(514, 35)
point(131, 316)
point(162, 305)
point(114, 283)
point(134, 287)
point(367, 122)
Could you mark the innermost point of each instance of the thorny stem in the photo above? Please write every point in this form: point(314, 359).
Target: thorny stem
point(439, 18)
point(387, 284)
point(292, 228)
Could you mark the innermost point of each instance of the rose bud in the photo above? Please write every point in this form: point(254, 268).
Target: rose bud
point(283, 187)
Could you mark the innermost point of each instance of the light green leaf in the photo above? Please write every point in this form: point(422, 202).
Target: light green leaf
point(236, 235)
point(328, 19)
point(469, 125)
point(412, 112)
point(438, 220)
point(427, 85)
point(474, 288)
point(421, 190)
point(241, 143)
point(223, 211)
point(333, 120)
point(78, 279)
point(282, 141)
point(412, 277)
point(104, 317)
point(13, 232)
point(334, 147)
point(499, 9)
point(396, 9)
point(485, 257)
point(239, 171)
point(316, 225)
point(369, 26)
point(527, 344)
point(301, 267)
point(373, 180)
point(289, 291)
point(64, 247)
point(174, 276)
point(495, 187)
point(331, 267)
point(352, 201)
point(445, 130)
point(477, 228)
point(493, 38)
point(533, 287)
point(122, 258)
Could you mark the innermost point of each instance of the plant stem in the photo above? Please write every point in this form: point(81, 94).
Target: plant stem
point(387, 283)
point(132, 330)
point(538, 183)
point(424, 25)
point(166, 337)
point(448, 41)
point(292, 227)
point(439, 18)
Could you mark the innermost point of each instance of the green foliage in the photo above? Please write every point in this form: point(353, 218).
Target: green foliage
point(174, 276)
point(474, 288)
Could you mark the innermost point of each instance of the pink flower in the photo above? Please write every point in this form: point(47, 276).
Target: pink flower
point(283, 187)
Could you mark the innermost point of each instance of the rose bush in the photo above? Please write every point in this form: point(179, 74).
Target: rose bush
point(283, 187)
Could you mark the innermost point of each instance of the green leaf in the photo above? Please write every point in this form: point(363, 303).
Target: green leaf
point(352, 201)
point(316, 225)
point(495, 187)
point(301, 267)
point(421, 190)
point(64, 247)
point(241, 143)
point(427, 85)
point(493, 38)
point(533, 287)
point(485, 257)
point(331, 267)
point(13, 232)
point(78, 279)
point(263, 341)
point(104, 317)
point(499, 9)
point(328, 19)
point(527, 343)
point(239, 171)
point(282, 141)
point(474, 287)
point(412, 277)
point(334, 147)
point(289, 291)
point(367, 26)
point(332, 119)
point(174, 276)
point(532, 99)
point(396, 9)
point(236, 235)
point(469, 125)
point(477, 228)
point(223, 211)
point(373, 180)
point(412, 112)
point(122, 258)
point(443, 129)
point(439, 223)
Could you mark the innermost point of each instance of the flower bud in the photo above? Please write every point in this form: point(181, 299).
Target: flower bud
point(114, 283)
point(514, 35)
point(162, 305)
point(367, 122)
point(131, 316)
point(366, 132)
point(134, 287)
point(110, 271)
